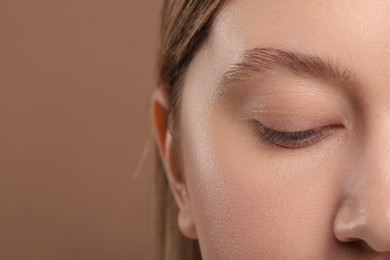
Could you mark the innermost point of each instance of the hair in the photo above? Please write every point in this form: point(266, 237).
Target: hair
point(185, 25)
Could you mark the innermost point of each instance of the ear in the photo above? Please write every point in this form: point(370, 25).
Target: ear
point(167, 145)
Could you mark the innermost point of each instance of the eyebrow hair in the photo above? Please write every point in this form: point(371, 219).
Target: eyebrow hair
point(259, 60)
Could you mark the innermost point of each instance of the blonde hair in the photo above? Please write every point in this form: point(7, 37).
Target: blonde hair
point(185, 25)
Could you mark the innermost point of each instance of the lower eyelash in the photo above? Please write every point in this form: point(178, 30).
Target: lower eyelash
point(292, 140)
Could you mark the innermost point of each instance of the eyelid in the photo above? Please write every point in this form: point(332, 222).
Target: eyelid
point(296, 139)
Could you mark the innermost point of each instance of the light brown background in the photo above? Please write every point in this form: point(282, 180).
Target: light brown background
point(75, 79)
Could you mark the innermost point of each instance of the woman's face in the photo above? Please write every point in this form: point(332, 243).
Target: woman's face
point(285, 131)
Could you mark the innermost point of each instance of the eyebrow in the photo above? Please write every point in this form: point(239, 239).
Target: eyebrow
point(261, 60)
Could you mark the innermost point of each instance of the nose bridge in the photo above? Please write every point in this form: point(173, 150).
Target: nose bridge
point(375, 157)
point(365, 212)
point(376, 192)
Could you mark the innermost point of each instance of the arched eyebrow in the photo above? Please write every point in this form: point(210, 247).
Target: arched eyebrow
point(260, 60)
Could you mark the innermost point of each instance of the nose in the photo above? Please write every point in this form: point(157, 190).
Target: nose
point(364, 214)
point(369, 223)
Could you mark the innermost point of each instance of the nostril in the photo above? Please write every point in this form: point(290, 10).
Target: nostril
point(362, 245)
point(358, 245)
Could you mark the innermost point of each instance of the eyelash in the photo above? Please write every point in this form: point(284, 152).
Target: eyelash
point(293, 140)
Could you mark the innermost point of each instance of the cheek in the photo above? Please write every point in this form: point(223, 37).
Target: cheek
point(249, 202)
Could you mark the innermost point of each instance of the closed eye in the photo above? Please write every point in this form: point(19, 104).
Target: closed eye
point(293, 140)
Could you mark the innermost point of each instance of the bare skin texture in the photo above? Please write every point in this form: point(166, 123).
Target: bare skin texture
point(285, 132)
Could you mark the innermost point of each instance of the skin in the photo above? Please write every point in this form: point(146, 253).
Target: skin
point(243, 198)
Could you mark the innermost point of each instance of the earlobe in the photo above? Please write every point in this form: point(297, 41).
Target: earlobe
point(167, 144)
point(186, 224)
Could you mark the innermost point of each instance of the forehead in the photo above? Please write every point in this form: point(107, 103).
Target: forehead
point(300, 23)
point(354, 34)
